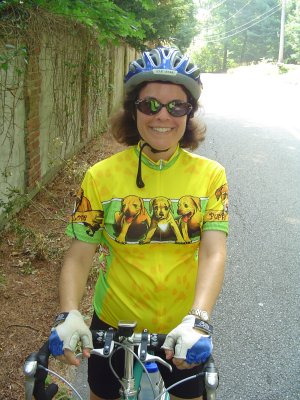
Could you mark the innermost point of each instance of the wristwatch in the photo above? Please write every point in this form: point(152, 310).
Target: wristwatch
point(60, 319)
point(201, 314)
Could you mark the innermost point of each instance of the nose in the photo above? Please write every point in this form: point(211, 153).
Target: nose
point(163, 113)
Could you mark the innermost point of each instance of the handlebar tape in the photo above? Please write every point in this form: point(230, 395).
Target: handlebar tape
point(40, 392)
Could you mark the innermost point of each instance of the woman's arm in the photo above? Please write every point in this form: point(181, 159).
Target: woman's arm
point(210, 276)
point(74, 274)
point(212, 256)
point(72, 284)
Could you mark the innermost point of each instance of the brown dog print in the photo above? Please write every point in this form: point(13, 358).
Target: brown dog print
point(162, 221)
point(191, 218)
point(132, 222)
point(84, 214)
point(222, 194)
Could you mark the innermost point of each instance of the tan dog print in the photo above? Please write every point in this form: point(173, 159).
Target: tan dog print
point(163, 224)
point(191, 218)
point(133, 221)
point(84, 214)
point(222, 194)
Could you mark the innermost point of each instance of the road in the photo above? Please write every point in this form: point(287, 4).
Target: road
point(254, 131)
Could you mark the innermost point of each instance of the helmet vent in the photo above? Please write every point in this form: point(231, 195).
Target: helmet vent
point(140, 61)
point(177, 62)
point(154, 57)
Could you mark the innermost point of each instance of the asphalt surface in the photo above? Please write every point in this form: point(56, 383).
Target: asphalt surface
point(254, 131)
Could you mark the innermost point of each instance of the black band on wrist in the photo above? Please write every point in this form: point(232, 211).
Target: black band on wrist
point(60, 318)
point(204, 326)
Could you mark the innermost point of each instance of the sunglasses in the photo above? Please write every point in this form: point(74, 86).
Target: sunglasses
point(151, 106)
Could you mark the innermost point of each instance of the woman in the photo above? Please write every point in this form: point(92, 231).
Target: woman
point(149, 208)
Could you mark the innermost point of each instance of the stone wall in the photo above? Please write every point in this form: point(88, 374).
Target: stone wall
point(57, 91)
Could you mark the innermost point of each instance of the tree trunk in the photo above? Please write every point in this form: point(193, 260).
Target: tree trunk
point(244, 45)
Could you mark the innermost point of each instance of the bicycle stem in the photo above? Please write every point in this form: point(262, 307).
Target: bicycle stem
point(128, 384)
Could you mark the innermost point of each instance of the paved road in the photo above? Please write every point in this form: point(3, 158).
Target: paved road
point(254, 131)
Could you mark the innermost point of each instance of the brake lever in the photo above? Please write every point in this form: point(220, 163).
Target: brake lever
point(30, 368)
point(108, 345)
point(152, 358)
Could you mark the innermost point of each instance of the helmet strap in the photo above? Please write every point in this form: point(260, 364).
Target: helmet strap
point(139, 180)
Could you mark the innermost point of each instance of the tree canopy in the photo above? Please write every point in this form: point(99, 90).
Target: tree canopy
point(223, 33)
point(240, 32)
point(135, 22)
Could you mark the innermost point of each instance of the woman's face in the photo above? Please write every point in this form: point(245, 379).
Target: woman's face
point(161, 131)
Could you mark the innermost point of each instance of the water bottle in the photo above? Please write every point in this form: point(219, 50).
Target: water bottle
point(146, 392)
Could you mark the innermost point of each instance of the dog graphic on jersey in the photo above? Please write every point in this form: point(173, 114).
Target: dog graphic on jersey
point(191, 218)
point(132, 221)
point(222, 194)
point(163, 225)
point(84, 213)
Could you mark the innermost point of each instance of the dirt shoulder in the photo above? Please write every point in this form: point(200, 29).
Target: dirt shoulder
point(31, 253)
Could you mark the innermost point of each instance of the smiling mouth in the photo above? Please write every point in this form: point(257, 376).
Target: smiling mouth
point(162, 130)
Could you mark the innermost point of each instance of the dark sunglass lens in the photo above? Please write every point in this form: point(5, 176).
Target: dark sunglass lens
point(149, 106)
point(155, 106)
point(178, 109)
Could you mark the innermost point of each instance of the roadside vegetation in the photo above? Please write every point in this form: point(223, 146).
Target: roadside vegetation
point(235, 37)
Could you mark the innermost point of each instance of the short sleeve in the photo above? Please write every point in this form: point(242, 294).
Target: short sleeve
point(216, 213)
point(87, 219)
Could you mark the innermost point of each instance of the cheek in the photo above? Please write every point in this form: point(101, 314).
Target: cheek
point(182, 126)
point(140, 122)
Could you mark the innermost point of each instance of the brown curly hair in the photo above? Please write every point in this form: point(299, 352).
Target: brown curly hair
point(122, 124)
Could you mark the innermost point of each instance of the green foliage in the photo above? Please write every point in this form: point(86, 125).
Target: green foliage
point(283, 69)
point(12, 199)
point(63, 393)
point(10, 55)
point(133, 21)
point(208, 58)
point(292, 37)
point(171, 21)
point(242, 32)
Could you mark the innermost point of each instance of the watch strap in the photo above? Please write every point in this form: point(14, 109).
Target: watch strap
point(203, 326)
point(60, 318)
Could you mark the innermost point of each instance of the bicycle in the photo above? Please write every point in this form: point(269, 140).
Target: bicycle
point(36, 364)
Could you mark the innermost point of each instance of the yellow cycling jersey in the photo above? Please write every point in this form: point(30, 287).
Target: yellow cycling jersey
point(149, 237)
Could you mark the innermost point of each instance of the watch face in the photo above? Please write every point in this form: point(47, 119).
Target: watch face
point(204, 316)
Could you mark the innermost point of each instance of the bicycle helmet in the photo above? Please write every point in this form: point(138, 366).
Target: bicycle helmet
point(165, 64)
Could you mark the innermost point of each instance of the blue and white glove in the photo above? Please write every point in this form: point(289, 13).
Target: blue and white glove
point(68, 333)
point(189, 343)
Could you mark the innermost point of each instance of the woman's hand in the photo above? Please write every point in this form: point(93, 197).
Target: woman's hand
point(64, 338)
point(187, 345)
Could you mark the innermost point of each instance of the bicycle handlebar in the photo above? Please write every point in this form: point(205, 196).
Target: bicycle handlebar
point(36, 364)
point(35, 375)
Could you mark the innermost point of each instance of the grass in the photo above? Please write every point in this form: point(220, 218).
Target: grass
point(3, 280)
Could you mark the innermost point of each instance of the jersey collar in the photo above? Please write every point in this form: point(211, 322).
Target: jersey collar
point(160, 164)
